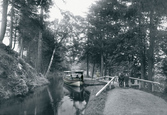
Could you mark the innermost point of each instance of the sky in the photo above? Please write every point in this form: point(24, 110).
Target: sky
point(77, 7)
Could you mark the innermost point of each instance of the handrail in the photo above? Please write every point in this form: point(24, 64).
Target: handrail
point(103, 77)
point(105, 86)
point(108, 77)
point(99, 78)
point(145, 80)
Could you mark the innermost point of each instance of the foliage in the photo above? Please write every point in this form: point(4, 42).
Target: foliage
point(17, 77)
point(128, 34)
point(104, 32)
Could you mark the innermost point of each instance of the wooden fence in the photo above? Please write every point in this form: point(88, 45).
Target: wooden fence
point(138, 82)
point(108, 83)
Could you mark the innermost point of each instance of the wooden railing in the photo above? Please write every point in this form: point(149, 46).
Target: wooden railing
point(138, 81)
point(108, 84)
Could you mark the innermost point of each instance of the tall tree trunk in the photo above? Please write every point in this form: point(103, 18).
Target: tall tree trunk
point(14, 44)
point(39, 59)
point(73, 55)
point(4, 20)
point(51, 60)
point(143, 59)
point(143, 67)
point(93, 69)
point(87, 64)
point(50, 63)
point(21, 48)
point(106, 66)
point(15, 32)
point(105, 70)
point(151, 48)
point(142, 50)
point(11, 26)
point(101, 70)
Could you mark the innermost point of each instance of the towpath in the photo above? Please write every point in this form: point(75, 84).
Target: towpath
point(121, 101)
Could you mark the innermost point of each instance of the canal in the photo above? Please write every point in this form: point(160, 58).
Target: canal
point(54, 99)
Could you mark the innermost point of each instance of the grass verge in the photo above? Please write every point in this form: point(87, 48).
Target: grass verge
point(96, 104)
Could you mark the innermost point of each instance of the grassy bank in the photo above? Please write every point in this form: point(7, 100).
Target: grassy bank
point(17, 78)
point(96, 104)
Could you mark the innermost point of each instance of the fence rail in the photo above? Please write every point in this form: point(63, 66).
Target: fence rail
point(115, 78)
point(109, 83)
point(142, 80)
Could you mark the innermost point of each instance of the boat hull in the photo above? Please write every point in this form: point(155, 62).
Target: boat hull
point(73, 82)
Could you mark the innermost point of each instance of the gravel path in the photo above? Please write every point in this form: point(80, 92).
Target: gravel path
point(121, 101)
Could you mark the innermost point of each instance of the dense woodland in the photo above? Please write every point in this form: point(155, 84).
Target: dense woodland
point(116, 35)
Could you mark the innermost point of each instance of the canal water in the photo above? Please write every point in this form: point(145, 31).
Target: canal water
point(54, 99)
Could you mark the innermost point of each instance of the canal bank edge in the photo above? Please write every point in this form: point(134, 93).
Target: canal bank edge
point(17, 78)
point(95, 104)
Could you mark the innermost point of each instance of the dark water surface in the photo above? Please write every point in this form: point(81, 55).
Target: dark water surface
point(54, 99)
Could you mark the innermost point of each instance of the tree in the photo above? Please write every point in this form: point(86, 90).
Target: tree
point(39, 59)
point(132, 26)
point(4, 19)
point(44, 4)
point(11, 26)
point(29, 20)
point(156, 12)
point(105, 21)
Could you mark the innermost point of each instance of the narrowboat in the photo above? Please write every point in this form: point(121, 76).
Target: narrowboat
point(73, 78)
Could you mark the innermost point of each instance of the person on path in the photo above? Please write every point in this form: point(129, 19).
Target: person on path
point(121, 80)
point(126, 78)
point(82, 77)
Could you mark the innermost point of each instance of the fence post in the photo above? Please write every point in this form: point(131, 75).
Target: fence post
point(110, 86)
point(130, 83)
point(139, 84)
point(135, 82)
point(152, 87)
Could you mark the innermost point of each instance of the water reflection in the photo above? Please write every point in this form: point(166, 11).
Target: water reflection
point(74, 102)
point(63, 100)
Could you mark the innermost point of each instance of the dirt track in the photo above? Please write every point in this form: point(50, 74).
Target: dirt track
point(133, 102)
